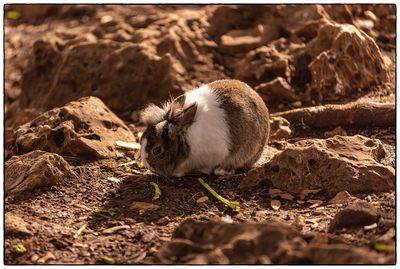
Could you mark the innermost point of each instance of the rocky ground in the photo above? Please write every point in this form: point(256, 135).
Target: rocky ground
point(77, 76)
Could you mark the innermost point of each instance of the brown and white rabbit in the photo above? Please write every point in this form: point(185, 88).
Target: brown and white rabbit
point(218, 127)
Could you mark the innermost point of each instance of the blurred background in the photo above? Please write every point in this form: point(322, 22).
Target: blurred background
point(129, 55)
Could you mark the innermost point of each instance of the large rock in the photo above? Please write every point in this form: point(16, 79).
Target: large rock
point(351, 163)
point(84, 128)
point(254, 243)
point(262, 65)
point(34, 170)
point(344, 59)
point(218, 243)
point(126, 76)
point(342, 254)
point(356, 215)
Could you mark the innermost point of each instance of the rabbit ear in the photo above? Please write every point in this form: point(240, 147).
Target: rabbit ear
point(174, 106)
point(186, 117)
point(180, 100)
point(152, 114)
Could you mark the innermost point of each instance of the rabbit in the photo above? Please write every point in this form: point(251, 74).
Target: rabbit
point(217, 128)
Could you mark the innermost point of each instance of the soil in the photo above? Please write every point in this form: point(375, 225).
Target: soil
point(181, 47)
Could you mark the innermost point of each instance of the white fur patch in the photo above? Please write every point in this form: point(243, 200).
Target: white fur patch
point(152, 114)
point(143, 153)
point(208, 136)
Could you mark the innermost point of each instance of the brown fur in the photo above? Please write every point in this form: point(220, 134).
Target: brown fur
point(248, 120)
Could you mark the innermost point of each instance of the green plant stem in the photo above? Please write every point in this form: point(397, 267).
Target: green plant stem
point(232, 204)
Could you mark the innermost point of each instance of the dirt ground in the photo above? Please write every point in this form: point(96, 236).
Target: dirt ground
point(133, 55)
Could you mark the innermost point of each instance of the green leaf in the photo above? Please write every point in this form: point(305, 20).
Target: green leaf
point(109, 260)
point(80, 218)
point(296, 104)
point(19, 248)
point(232, 204)
point(157, 191)
point(126, 168)
point(111, 211)
point(13, 15)
point(383, 247)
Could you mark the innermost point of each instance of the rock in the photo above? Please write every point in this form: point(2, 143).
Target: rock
point(37, 14)
point(280, 129)
point(340, 198)
point(356, 215)
point(252, 178)
point(342, 254)
point(121, 74)
point(85, 128)
point(231, 242)
point(241, 41)
point(299, 222)
point(337, 131)
point(277, 90)
point(389, 236)
point(263, 65)
point(46, 258)
point(351, 163)
point(15, 224)
point(272, 242)
point(344, 59)
point(34, 170)
point(143, 207)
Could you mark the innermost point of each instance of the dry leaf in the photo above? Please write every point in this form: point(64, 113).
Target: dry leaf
point(116, 229)
point(275, 204)
point(287, 196)
point(371, 227)
point(314, 220)
point(306, 192)
point(127, 145)
point(140, 257)
point(78, 233)
point(315, 203)
point(114, 179)
point(202, 200)
point(274, 192)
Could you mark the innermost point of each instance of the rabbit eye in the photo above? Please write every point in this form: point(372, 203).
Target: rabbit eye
point(156, 150)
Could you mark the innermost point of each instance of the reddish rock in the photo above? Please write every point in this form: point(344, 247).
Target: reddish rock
point(351, 163)
point(120, 74)
point(280, 129)
point(249, 243)
point(85, 128)
point(344, 59)
point(34, 170)
point(277, 91)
